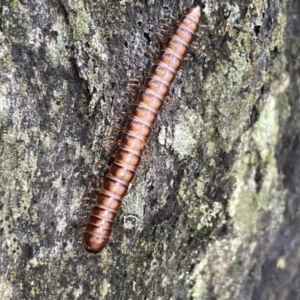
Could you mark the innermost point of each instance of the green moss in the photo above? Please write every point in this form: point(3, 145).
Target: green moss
point(25, 161)
point(14, 5)
point(184, 141)
point(248, 198)
point(6, 286)
point(256, 193)
point(57, 49)
point(278, 38)
point(79, 20)
point(214, 143)
point(208, 215)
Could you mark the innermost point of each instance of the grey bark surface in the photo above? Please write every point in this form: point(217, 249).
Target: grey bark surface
point(214, 210)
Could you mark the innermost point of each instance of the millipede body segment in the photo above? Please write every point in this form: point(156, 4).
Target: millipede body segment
point(137, 131)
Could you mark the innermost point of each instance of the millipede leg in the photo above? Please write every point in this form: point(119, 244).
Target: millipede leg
point(144, 69)
point(87, 204)
point(170, 99)
point(159, 35)
point(202, 26)
point(102, 164)
point(117, 127)
point(109, 144)
point(131, 91)
point(172, 18)
point(80, 231)
point(134, 84)
point(151, 53)
point(188, 57)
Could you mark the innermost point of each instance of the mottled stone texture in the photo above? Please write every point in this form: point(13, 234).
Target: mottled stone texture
point(214, 212)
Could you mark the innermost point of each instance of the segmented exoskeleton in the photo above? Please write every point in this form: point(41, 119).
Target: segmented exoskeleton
point(137, 131)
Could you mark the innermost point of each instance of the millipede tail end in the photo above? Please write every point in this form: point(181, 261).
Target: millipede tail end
point(93, 244)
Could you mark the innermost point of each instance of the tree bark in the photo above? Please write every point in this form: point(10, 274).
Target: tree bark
point(214, 210)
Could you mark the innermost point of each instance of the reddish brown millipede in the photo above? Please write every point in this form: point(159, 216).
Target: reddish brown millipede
point(137, 131)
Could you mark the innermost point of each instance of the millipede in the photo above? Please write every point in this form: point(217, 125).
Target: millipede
point(148, 103)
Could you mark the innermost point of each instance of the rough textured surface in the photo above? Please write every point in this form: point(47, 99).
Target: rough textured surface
point(214, 211)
